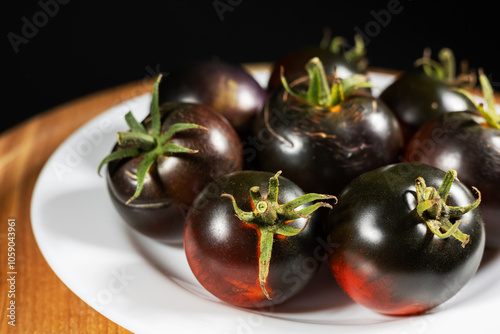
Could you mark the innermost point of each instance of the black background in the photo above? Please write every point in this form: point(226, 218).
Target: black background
point(80, 47)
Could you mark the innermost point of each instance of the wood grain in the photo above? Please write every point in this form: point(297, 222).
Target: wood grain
point(43, 303)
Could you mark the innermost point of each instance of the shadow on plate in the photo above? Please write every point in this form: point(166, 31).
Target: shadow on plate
point(322, 293)
point(86, 216)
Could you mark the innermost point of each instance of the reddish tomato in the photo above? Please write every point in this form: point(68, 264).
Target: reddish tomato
point(403, 245)
point(254, 249)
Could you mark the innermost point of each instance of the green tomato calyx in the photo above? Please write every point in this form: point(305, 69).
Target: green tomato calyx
point(148, 144)
point(272, 218)
point(338, 45)
point(355, 55)
point(320, 92)
point(489, 114)
point(445, 69)
point(432, 208)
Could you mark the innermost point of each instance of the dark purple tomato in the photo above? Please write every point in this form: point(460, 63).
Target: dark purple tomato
point(464, 142)
point(293, 65)
point(252, 239)
point(156, 170)
point(388, 258)
point(416, 97)
point(225, 87)
point(323, 148)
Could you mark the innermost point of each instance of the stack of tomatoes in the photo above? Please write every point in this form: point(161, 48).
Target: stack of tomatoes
point(263, 186)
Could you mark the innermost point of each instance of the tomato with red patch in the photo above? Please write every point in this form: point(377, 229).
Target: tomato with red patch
point(254, 249)
point(403, 245)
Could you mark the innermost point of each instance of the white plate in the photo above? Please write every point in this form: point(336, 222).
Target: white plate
point(147, 287)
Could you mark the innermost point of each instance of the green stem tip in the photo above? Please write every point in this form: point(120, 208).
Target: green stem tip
point(272, 218)
point(354, 54)
point(320, 92)
point(445, 68)
point(489, 114)
point(432, 208)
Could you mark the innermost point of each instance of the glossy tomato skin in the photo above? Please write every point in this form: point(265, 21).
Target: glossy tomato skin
point(322, 150)
point(415, 98)
point(387, 259)
point(222, 251)
point(174, 181)
point(293, 64)
point(462, 141)
point(225, 87)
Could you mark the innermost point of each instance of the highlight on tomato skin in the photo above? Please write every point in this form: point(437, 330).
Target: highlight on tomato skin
point(225, 253)
point(225, 87)
point(428, 90)
point(389, 258)
point(416, 98)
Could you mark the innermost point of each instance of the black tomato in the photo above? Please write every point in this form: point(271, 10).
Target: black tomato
point(466, 142)
point(417, 96)
point(323, 146)
point(252, 240)
point(225, 87)
point(156, 170)
point(403, 245)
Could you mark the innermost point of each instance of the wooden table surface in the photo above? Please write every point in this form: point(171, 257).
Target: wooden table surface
point(43, 303)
